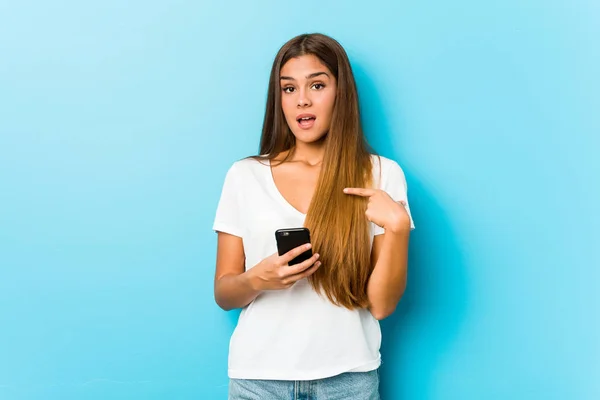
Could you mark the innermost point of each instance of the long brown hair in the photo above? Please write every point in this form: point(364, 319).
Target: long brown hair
point(337, 222)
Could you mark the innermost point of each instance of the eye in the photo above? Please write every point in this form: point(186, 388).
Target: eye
point(318, 86)
point(288, 89)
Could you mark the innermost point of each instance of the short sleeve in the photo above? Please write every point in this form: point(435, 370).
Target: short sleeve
point(228, 215)
point(393, 182)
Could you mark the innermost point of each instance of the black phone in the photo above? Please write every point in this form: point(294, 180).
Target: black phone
point(290, 238)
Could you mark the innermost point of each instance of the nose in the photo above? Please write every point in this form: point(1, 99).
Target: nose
point(303, 100)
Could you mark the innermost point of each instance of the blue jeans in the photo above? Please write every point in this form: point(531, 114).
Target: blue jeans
point(351, 385)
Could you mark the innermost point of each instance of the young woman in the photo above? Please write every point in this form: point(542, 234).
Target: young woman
point(311, 330)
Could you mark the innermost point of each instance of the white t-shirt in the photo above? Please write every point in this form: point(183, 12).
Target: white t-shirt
point(293, 334)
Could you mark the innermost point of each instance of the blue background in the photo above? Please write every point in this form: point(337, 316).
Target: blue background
point(118, 121)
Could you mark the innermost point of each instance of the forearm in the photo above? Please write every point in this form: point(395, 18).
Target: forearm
point(234, 291)
point(388, 280)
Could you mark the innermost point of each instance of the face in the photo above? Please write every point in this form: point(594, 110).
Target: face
point(307, 98)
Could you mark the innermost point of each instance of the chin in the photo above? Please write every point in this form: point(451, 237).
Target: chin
point(309, 137)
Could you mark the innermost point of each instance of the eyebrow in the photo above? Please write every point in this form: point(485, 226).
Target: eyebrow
point(313, 75)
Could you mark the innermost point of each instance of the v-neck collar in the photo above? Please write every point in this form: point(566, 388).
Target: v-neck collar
point(280, 196)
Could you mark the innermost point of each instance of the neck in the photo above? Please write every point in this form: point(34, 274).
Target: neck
point(309, 153)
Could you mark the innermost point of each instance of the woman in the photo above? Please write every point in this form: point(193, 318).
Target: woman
point(311, 330)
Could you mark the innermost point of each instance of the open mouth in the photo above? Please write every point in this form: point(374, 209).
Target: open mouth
point(306, 121)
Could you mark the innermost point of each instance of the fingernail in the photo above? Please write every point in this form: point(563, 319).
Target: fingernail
point(308, 246)
point(317, 256)
point(318, 263)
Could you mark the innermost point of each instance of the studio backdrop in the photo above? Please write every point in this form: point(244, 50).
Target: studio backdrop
point(119, 120)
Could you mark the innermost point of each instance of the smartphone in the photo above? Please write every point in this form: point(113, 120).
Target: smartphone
point(290, 238)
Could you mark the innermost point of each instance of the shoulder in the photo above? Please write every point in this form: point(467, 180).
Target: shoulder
point(384, 167)
point(246, 165)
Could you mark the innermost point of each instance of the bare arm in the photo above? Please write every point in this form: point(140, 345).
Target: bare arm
point(232, 286)
point(388, 280)
point(235, 288)
point(389, 254)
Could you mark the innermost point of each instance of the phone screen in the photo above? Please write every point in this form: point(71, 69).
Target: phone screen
point(288, 239)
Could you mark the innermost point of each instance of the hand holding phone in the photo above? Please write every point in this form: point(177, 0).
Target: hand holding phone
point(288, 239)
point(282, 271)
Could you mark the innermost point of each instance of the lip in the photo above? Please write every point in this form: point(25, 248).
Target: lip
point(305, 116)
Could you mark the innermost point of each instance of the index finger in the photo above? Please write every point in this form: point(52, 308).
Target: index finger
point(295, 252)
point(360, 192)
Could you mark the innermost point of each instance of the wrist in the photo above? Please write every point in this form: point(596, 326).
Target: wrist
point(250, 281)
point(398, 227)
